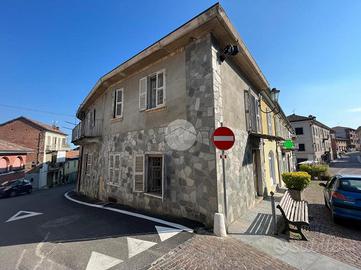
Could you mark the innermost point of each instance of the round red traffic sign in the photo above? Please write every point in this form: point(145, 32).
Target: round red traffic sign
point(223, 138)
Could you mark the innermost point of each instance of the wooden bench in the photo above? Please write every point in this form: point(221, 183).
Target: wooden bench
point(294, 213)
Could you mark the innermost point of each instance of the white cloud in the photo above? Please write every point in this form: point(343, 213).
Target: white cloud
point(354, 109)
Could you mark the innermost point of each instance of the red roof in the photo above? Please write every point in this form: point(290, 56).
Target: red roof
point(10, 147)
point(72, 154)
point(38, 124)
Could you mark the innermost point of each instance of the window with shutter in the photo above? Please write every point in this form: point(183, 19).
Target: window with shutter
point(143, 93)
point(139, 173)
point(152, 92)
point(88, 168)
point(118, 103)
point(111, 168)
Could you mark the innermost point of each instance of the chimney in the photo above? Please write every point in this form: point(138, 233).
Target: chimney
point(312, 117)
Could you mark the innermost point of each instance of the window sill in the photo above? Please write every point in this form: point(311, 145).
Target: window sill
point(153, 195)
point(157, 109)
point(116, 119)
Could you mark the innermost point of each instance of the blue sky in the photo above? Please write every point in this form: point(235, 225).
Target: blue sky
point(53, 52)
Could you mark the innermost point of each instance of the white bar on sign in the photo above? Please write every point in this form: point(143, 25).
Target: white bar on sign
point(223, 138)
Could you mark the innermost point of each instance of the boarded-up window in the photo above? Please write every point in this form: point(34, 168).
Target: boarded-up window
point(139, 173)
point(88, 165)
point(114, 168)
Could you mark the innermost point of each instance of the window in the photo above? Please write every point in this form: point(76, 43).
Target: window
point(301, 147)
point(152, 91)
point(252, 112)
point(269, 123)
point(149, 174)
point(88, 164)
point(299, 131)
point(93, 118)
point(118, 103)
point(114, 169)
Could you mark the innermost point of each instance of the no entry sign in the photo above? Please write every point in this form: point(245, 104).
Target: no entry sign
point(223, 138)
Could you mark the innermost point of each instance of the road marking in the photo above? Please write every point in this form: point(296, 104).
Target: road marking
point(99, 261)
point(20, 215)
point(166, 232)
point(136, 246)
point(175, 225)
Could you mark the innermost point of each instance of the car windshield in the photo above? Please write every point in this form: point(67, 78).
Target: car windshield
point(350, 184)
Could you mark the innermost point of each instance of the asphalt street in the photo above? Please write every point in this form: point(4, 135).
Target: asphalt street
point(52, 232)
point(347, 164)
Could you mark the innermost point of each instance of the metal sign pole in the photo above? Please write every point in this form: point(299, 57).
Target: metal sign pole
point(224, 187)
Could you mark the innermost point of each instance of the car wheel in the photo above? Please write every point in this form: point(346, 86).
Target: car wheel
point(336, 219)
point(12, 194)
point(30, 190)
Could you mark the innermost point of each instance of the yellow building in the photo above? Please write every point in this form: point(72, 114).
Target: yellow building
point(275, 130)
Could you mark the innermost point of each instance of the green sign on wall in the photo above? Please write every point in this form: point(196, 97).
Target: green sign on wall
point(288, 144)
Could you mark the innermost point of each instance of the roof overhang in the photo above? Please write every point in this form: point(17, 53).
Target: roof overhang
point(214, 20)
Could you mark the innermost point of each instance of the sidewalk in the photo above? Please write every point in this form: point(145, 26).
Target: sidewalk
point(211, 252)
point(255, 229)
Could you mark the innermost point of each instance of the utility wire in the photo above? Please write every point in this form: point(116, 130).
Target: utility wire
point(35, 110)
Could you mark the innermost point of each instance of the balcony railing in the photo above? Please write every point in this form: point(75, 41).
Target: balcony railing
point(88, 130)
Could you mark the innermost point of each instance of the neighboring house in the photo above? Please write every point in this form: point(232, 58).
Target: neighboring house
point(358, 132)
point(146, 127)
point(350, 135)
point(12, 161)
point(61, 167)
point(41, 137)
point(313, 139)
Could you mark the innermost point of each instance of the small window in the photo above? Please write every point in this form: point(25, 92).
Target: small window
point(88, 165)
point(118, 103)
point(299, 131)
point(301, 147)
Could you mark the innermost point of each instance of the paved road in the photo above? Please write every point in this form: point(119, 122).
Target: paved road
point(348, 164)
point(67, 235)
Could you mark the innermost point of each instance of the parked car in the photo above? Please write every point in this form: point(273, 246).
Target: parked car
point(16, 187)
point(342, 196)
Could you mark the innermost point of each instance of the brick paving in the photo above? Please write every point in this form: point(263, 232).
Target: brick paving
point(339, 241)
point(210, 252)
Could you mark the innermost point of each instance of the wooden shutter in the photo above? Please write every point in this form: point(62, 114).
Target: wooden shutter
point(138, 173)
point(143, 93)
point(247, 109)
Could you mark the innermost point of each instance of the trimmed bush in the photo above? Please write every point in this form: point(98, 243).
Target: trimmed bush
point(296, 180)
point(316, 171)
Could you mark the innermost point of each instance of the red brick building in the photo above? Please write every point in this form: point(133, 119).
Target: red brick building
point(34, 135)
point(13, 158)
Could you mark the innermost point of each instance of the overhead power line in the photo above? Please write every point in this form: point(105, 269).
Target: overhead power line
point(36, 110)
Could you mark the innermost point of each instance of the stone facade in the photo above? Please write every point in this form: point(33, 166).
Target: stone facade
point(193, 184)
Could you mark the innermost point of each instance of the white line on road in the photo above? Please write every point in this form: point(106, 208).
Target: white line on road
point(99, 261)
point(161, 221)
point(19, 215)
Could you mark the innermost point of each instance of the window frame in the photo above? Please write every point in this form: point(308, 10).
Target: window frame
point(88, 166)
point(116, 103)
point(304, 147)
point(155, 155)
point(147, 94)
point(299, 128)
point(113, 181)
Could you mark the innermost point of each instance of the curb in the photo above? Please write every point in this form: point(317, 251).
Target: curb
point(124, 212)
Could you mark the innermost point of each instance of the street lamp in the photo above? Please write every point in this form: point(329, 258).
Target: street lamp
point(275, 94)
point(274, 97)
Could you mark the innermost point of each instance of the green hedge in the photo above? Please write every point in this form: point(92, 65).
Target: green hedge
point(316, 171)
point(296, 180)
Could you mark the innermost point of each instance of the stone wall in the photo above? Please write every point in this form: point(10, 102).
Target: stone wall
point(190, 186)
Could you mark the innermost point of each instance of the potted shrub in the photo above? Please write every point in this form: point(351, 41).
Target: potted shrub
point(296, 182)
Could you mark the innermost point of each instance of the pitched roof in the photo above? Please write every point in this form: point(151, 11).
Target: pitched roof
point(213, 20)
point(299, 118)
point(38, 124)
point(9, 147)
